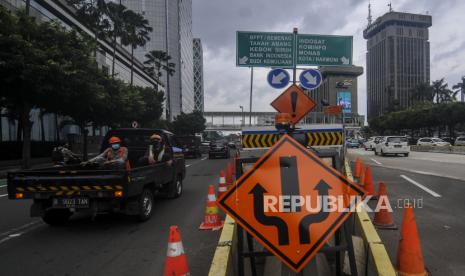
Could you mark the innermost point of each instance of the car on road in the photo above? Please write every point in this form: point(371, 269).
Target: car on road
point(60, 191)
point(352, 143)
point(218, 148)
point(392, 145)
point(460, 141)
point(370, 143)
point(190, 145)
point(426, 141)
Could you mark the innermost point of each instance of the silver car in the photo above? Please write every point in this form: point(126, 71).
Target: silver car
point(460, 141)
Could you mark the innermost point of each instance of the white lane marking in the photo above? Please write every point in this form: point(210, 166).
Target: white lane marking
point(2, 186)
point(13, 235)
point(376, 161)
point(3, 195)
point(188, 165)
point(431, 192)
point(422, 172)
point(204, 158)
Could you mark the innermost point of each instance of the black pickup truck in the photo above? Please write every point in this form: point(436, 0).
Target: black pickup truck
point(58, 192)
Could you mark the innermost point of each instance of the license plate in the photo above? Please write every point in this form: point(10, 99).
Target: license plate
point(397, 146)
point(77, 202)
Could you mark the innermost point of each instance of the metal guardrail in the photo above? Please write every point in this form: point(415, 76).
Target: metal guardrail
point(224, 258)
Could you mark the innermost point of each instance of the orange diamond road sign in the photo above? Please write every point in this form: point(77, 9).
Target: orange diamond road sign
point(333, 109)
point(277, 201)
point(295, 102)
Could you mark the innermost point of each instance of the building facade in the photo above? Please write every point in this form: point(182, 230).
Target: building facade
point(338, 87)
point(198, 75)
point(171, 21)
point(46, 126)
point(398, 59)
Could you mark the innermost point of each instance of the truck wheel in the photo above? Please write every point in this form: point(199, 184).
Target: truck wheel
point(56, 217)
point(175, 188)
point(145, 205)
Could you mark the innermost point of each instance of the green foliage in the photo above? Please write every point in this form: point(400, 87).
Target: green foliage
point(420, 117)
point(156, 61)
point(189, 124)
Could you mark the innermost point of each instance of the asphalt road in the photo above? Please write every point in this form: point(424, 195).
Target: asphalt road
point(435, 184)
point(111, 244)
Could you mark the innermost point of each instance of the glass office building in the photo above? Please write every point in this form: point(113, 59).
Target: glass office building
point(45, 127)
point(398, 59)
point(198, 75)
point(171, 21)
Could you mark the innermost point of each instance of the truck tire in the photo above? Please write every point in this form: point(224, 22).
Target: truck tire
point(175, 188)
point(145, 205)
point(56, 217)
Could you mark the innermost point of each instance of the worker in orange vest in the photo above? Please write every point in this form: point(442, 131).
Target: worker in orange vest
point(114, 157)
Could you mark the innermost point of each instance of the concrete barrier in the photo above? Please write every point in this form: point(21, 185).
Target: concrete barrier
point(372, 257)
point(446, 149)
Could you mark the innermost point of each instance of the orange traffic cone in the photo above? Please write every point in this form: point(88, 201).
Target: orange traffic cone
point(358, 167)
point(409, 254)
point(222, 186)
point(368, 183)
point(212, 219)
point(176, 260)
point(383, 218)
point(229, 174)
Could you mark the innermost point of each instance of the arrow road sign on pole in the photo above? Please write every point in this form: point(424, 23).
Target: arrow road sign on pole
point(310, 79)
point(284, 202)
point(278, 78)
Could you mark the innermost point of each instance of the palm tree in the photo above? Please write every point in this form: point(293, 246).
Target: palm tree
point(460, 88)
point(136, 34)
point(117, 14)
point(157, 61)
point(441, 93)
point(421, 93)
point(92, 14)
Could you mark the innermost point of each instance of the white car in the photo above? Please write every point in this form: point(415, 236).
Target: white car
point(432, 142)
point(370, 143)
point(460, 141)
point(392, 145)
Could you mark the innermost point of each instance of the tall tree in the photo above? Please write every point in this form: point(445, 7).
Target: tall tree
point(38, 60)
point(136, 34)
point(117, 14)
point(459, 88)
point(422, 93)
point(158, 61)
point(442, 93)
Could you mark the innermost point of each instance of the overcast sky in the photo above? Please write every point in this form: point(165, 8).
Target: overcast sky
point(227, 86)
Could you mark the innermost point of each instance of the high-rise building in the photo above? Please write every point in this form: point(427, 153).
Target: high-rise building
point(46, 126)
point(198, 75)
point(398, 59)
point(171, 21)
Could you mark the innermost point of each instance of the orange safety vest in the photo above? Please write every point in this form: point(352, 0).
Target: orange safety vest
point(122, 151)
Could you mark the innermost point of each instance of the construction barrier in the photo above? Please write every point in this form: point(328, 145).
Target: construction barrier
point(377, 258)
point(313, 137)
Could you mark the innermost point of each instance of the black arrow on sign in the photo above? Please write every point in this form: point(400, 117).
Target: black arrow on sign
point(289, 177)
point(304, 226)
point(259, 213)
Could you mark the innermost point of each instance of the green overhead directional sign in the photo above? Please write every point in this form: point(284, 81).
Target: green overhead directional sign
point(324, 50)
point(264, 49)
point(258, 49)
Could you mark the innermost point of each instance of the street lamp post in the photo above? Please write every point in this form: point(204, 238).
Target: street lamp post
point(242, 115)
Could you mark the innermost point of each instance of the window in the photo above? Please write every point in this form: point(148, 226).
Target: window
point(397, 139)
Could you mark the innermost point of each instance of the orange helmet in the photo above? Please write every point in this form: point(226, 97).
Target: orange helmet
point(114, 140)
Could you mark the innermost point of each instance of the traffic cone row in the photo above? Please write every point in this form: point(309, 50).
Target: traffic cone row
point(176, 259)
point(222, 186)
point(409, 254)
point(212, 220)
